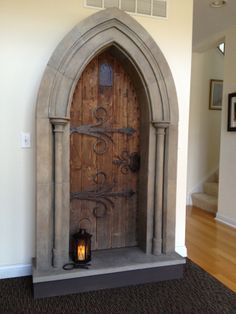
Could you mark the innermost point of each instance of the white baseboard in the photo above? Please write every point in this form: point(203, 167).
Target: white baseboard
point(225, 220)
point(15, 271)
point(181, 250)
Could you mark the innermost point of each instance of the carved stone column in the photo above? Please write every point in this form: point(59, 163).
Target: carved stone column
point(60, 249)
point(159, 187)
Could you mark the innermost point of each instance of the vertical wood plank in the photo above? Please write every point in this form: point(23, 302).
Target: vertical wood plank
point(83, 103)
point(117, 227)
point(104, 165)
point(133, 147)
point(75, 159)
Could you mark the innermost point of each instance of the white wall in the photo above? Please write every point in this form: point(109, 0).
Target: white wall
point(29, 32)
point(204, 124)
point(227, 195)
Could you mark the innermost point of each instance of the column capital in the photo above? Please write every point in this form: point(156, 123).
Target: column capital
point(59, 123)
point(161, 124)
point(59, 120)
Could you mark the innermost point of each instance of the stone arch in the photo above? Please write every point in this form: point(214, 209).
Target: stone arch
point(130, 42)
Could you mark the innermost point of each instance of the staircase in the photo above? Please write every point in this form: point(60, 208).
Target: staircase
point(208, 199)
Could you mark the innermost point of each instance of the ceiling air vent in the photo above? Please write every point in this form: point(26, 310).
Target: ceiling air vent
point(111, 3)
point(129, 6)
point(144, 7)
point(159, 8)
point(154, 8)
point(94, 3)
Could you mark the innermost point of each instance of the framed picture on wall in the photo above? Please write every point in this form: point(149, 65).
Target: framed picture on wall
point(232, 112)
point(216, 92)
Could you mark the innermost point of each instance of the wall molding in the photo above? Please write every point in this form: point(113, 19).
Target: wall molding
point(225, 220)
point(12, 271)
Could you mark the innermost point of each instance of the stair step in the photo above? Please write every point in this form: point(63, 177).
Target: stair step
point(211, 188)
point(205, 201)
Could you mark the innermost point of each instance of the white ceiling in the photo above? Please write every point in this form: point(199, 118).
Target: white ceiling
point(209, 21)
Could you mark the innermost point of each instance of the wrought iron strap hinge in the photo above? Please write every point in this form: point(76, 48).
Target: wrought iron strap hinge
point(101, 132)
point(102, 194)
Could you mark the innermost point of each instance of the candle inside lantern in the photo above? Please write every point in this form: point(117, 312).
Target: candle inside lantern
point(82, 247)
point(81, 251)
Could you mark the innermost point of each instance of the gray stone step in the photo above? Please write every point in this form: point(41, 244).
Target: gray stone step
point(211, 188)
point(205, 201)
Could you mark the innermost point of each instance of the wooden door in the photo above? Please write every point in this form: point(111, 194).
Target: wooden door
point(104, 154)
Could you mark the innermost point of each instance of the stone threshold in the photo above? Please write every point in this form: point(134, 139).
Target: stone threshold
point(109, 269)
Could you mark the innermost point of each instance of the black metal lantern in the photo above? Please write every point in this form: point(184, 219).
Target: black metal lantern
point(82, 247)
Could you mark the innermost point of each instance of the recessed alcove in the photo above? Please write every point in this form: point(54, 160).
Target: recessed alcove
point(154, 255)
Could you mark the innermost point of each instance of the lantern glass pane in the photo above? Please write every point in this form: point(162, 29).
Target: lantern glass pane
point(81, 251)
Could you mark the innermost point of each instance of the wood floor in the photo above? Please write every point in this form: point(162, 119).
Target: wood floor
point(211, 245)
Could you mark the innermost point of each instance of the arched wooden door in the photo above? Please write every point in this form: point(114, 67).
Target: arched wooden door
point(104, 154)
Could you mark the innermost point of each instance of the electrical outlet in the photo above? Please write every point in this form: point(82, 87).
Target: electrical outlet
point(25, 140)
